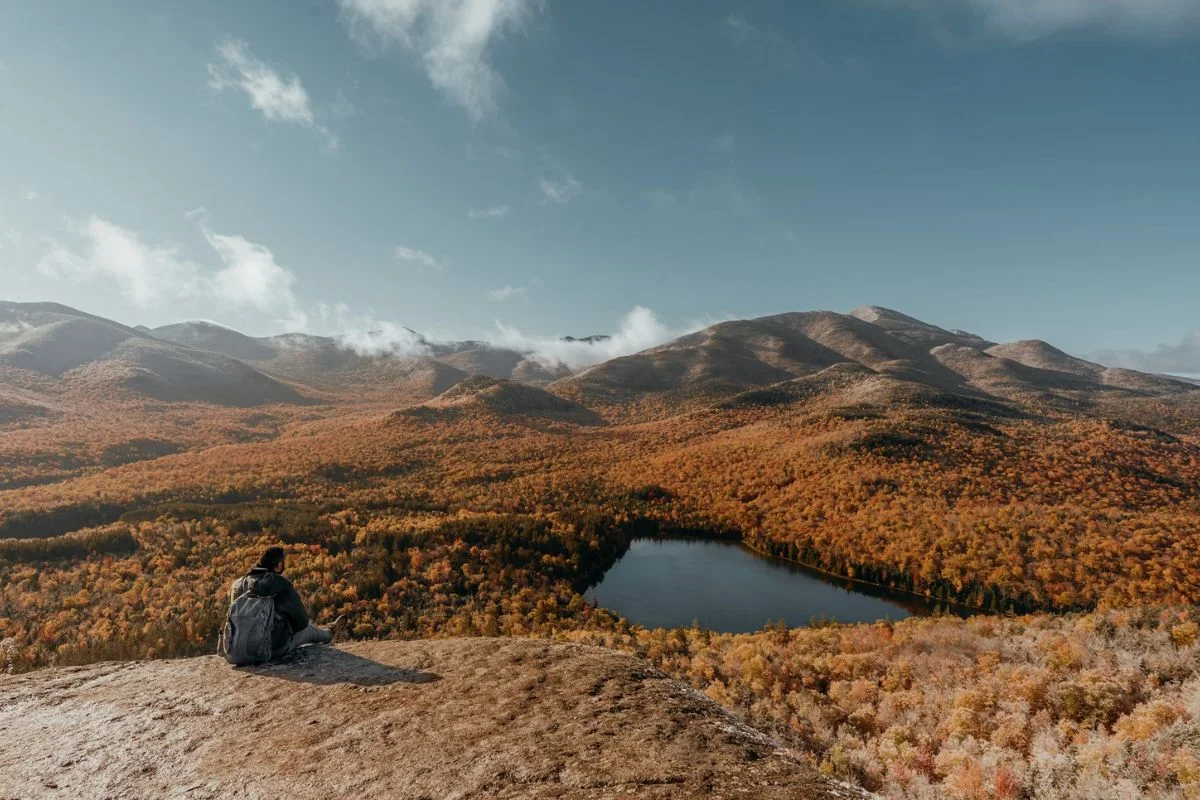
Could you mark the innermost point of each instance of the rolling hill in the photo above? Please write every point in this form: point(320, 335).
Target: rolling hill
point(509, 399)
point(49, 348)
point(326, 360)
point(733, 357)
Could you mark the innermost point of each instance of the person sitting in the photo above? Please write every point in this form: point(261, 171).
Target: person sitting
point(291, 627)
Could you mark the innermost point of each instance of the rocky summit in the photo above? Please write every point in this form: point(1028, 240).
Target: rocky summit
point(453, 718)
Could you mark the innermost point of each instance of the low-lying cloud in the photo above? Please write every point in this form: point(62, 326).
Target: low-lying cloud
point(249, 279)
point(368, 336)
point(639, 330)
point(1172, 359)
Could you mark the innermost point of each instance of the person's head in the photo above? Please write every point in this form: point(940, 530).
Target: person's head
point(272, 559)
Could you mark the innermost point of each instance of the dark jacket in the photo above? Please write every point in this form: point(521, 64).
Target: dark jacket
point(290, 614)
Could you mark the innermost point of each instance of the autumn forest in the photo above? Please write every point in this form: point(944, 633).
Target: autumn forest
point(1068, 523)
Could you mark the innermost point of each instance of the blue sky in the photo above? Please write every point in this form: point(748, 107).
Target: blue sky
point(1021, 168)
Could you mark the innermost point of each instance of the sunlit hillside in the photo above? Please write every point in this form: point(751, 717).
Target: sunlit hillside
point(851, 444)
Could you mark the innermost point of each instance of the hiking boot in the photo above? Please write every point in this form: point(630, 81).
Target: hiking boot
point(338, 629)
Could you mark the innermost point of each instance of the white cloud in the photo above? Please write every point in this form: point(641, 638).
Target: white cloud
point(560, 190)
point(252, 278)
point(1172, 359)
point(417, 258)
point(506, 292)
point(145, 275)
point(277, 98)
point(368, 336)
point(451, 37)
point(495, 212)
point(149, 276)
point(639, 330)
point(1026, 20)
point(34, 196)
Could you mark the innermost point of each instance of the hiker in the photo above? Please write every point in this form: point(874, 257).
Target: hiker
point(267, 620)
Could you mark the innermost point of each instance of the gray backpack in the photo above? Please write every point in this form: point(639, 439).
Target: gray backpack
point(246, 637)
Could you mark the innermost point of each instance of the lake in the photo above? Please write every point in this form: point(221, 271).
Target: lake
point(668, 583)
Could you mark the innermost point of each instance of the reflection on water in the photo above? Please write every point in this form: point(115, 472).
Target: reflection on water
point(669, 583)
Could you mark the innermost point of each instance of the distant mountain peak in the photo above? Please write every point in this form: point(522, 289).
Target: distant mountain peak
point(877, 313)
point(593, 339)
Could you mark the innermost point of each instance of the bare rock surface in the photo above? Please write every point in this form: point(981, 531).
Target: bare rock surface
point(457, 718)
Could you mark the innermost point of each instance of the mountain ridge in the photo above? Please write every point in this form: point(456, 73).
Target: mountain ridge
point(50, 342)
point(712, 364)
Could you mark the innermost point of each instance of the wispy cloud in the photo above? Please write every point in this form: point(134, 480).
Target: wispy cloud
point(1172, 359)
point(637, 331)
point(277, 98)
point(495, 212)
point(452, 38)
point(368, 336)
point(410, 256)
point(145, 274)
point(252, 278)
point(1027, 20)
point(505, 293)
point(560, 189)
point(150, 275)
point(34, 196)
point(724, 143)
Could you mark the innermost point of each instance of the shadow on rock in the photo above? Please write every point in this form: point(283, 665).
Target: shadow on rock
point(324, 665)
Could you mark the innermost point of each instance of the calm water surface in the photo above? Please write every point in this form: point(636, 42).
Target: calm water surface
point(668, 583)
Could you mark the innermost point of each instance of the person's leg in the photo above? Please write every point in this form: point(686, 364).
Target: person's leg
point(312, 635)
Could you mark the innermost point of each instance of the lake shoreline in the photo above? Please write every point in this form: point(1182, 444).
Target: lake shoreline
point(731, 587)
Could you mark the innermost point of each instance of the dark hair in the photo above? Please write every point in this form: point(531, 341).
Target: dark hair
point(271, 558)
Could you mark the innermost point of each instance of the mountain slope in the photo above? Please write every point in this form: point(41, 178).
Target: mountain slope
point(457, 718)
point(510, 399)
point(325, 360)
point(734, 357)
point(54, 348)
